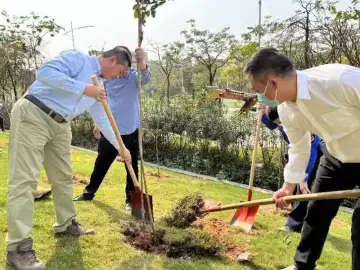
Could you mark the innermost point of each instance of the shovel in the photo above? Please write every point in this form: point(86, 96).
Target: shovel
point(332, 195)
point(245, 217)
point(135, 196)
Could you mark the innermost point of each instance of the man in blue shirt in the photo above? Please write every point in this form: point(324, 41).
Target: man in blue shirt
point(124, 103)
point(298, 212)
point(40, 133)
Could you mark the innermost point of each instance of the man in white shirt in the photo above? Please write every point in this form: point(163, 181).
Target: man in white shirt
point(323, 100)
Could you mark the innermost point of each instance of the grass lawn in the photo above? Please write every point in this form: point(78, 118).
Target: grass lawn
point(106, 249)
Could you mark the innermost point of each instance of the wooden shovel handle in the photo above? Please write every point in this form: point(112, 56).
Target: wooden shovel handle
point(253, 160)
point(293, 198)
point(109, 114)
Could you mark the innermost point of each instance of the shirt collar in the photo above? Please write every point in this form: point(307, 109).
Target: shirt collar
point(302, 85)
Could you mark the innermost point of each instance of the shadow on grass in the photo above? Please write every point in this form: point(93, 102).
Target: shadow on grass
point(116, 215)
point(342, 245)
point(142, 261)
point(67, 254)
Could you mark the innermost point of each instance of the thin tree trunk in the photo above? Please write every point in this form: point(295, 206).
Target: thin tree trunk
point(168, 89)
point(307, 42)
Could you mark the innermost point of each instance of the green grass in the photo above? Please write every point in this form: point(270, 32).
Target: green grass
point(106, 249)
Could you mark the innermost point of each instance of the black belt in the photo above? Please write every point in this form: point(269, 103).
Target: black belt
point(54, 115)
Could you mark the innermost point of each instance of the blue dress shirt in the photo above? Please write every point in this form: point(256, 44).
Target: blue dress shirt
point(60, 85)
point(123, 97)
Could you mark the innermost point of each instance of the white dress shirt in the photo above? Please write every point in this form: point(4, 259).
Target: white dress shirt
point(328, 104)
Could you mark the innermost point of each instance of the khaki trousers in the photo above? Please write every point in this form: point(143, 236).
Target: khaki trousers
point(36, 139)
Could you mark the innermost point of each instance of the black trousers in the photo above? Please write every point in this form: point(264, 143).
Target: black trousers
point(298, 211)
point(332, 175)
point(2, 124)
point(106, 156)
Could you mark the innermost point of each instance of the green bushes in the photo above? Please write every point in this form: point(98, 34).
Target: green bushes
point(201, 136)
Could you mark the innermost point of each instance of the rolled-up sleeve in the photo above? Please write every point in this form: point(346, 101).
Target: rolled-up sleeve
point(101, 120)
point(299, 152)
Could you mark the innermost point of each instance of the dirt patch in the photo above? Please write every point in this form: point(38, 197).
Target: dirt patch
point(219, 230)
point(233, 251)
point(4, 144)
point(157, 175)
point(142, 237)
point(173, 246)
point(79, 180)
point(187, 235)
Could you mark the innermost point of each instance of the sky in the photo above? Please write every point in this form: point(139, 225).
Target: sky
point(113, 22)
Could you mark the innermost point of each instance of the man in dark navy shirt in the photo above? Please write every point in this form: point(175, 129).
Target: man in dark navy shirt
point(296, 217)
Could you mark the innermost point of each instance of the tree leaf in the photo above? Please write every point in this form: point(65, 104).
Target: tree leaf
point(136, 7)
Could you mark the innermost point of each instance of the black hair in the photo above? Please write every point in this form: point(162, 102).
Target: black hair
point(122, 54)
point(269, 60)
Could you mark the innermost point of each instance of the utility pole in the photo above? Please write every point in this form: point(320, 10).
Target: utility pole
point(259, 38)
point(72, 32)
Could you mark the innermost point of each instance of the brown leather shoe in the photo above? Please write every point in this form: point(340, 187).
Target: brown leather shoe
point(75, 229)
point(24, 258)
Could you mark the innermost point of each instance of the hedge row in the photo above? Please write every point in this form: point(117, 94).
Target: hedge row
point(201, 136)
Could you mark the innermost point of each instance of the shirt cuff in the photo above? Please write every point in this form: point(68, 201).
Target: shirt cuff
point(294, 177)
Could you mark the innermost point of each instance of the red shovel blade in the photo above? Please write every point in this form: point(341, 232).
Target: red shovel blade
point(245, 217)
point(135, 197)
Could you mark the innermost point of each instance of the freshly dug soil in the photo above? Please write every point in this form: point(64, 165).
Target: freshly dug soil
point(186, 211)
point(173, 246)
point(219, 230)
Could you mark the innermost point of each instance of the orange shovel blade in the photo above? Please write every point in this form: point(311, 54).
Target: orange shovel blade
point(245, 217)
